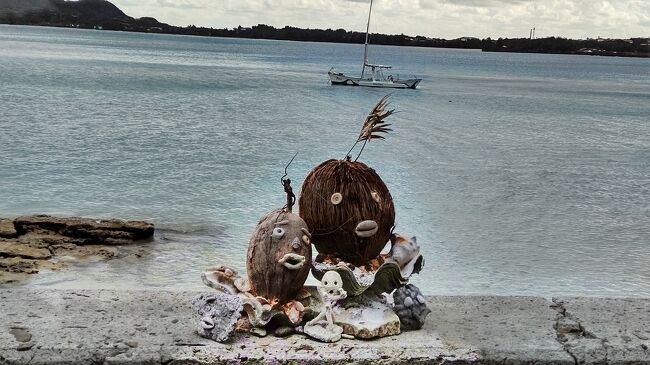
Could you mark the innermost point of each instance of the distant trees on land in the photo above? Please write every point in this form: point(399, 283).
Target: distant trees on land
point(101, 14)
point(634, 46)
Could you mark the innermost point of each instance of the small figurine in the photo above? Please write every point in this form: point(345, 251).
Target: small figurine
point(323, 327)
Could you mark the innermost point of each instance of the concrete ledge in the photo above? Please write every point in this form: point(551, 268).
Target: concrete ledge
point(154, 327)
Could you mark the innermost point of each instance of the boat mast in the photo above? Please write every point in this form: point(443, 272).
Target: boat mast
point(365, 49)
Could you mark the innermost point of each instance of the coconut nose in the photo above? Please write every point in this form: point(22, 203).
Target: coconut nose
point(207, 323)
point(366, 229)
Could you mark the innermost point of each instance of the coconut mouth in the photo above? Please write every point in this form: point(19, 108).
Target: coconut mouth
point(292, 261)
point(207, 323)
point(366, 229)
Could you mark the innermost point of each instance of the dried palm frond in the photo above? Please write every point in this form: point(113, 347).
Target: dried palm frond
point(374, 126)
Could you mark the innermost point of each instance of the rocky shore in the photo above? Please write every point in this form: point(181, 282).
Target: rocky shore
point(30, 244)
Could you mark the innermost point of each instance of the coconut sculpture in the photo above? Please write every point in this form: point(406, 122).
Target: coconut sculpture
point(279, 256)
point(351, 216)
point(347, 212)
point(346, 204)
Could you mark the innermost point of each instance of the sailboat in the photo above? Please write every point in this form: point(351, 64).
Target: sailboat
point(372, 75)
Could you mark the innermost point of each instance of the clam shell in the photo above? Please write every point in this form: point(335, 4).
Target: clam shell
point(356, 281)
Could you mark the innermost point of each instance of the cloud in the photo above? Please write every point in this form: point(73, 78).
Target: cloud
point(435, 18)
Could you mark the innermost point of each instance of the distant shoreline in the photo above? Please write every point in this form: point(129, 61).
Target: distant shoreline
point(474, 43)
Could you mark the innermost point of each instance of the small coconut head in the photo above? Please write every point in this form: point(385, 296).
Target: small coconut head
point(349, 210)
point(279, 256)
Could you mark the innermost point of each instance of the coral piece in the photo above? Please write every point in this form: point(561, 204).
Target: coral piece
point(348, 209)
point(278, 257)
point(222, 278)
point(323, 327)
point(216, 315)
point(260, 311)
point(382, 275)
point(367, 317)
point(410, 307)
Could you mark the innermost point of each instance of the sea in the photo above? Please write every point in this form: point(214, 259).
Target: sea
point(520, 174)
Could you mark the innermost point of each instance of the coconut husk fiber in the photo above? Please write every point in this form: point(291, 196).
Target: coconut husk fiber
point(268, 277)
point(364, 197)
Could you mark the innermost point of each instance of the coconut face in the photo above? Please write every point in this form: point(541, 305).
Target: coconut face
point(279, 256)
point(348, 209)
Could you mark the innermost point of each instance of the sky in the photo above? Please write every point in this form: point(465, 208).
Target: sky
point(431, 18)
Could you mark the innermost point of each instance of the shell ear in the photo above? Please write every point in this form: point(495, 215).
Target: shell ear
point(336, 198)
point(414, 239)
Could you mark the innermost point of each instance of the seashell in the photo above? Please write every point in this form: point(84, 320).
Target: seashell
point(221, 278)
point(388, 277)
point(336, 198)
point(366, 229)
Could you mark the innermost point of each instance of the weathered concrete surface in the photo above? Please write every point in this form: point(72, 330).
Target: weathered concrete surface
point(605, 331)
point(139, 327)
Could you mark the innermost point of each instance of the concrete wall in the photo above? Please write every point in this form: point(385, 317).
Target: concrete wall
point(154, 327)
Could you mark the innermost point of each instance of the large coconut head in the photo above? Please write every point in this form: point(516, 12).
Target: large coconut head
point(348, 209)
point(279, 256)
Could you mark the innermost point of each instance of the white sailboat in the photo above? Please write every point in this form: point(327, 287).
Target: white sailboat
point(372, 75)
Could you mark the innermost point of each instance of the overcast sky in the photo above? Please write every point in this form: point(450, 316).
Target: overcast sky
point(434, 18)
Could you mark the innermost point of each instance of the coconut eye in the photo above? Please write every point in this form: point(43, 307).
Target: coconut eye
point(278, 233)
point(336, 198)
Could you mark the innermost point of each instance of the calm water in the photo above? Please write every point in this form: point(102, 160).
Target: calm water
point(520, 174)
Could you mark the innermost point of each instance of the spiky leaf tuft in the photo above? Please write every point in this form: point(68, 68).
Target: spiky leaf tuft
point(375, 125)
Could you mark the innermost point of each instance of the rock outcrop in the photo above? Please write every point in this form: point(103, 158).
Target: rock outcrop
point(31, 243)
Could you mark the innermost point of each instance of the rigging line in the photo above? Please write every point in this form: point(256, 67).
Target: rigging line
point(286, 167)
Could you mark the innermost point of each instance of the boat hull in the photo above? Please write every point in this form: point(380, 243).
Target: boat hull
point(341, 79)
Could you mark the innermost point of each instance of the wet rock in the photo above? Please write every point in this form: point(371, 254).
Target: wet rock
point(216, 315)
point(283, 331)
point(258, 331)
point(12, 248)
point(87, 231)
point(7, 229)
point(18, 265)
point(367, 317)
point(33, 242)
point(410, 307)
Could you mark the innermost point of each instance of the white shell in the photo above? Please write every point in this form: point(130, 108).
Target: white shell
point(278, 233)
point(336, 198)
